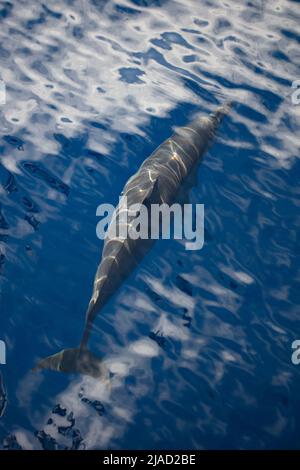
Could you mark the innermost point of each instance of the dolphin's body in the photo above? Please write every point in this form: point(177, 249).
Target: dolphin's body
point(158, 180)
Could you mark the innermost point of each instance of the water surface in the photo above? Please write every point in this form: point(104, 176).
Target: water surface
point(198, 344)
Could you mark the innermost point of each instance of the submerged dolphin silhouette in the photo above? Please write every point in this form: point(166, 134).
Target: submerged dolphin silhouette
point(158, 180)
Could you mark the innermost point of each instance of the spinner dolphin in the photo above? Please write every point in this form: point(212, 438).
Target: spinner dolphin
point(157, 181)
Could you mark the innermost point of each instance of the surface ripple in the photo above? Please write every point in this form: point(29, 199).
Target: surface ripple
point(198, 344)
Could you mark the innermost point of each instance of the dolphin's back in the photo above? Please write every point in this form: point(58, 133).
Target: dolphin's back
point(177, 156)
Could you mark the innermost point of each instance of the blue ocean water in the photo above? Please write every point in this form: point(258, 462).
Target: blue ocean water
point(198, 344)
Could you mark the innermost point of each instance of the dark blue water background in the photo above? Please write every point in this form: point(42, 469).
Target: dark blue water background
point(198, 343)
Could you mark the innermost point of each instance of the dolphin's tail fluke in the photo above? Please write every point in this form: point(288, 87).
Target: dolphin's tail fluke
point(74, 360)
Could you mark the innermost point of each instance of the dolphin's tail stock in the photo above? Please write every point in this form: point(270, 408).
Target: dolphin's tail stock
point(76, 360)
point(89, 318)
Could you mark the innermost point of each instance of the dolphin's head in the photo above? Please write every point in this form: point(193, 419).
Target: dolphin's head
point(206, 126)
point(74, 361)
point(220, 112)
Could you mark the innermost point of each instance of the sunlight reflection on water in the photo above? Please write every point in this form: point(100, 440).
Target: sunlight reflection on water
point(197, 344)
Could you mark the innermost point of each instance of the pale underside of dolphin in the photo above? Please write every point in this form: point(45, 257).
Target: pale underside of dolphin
point(158, 180)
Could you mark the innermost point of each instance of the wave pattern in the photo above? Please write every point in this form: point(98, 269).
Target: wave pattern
point(197, 344)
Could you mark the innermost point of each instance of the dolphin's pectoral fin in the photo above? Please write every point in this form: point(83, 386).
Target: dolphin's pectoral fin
point(74, 360)
point(183, 196)
point(192, 179)
point(154, 196)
